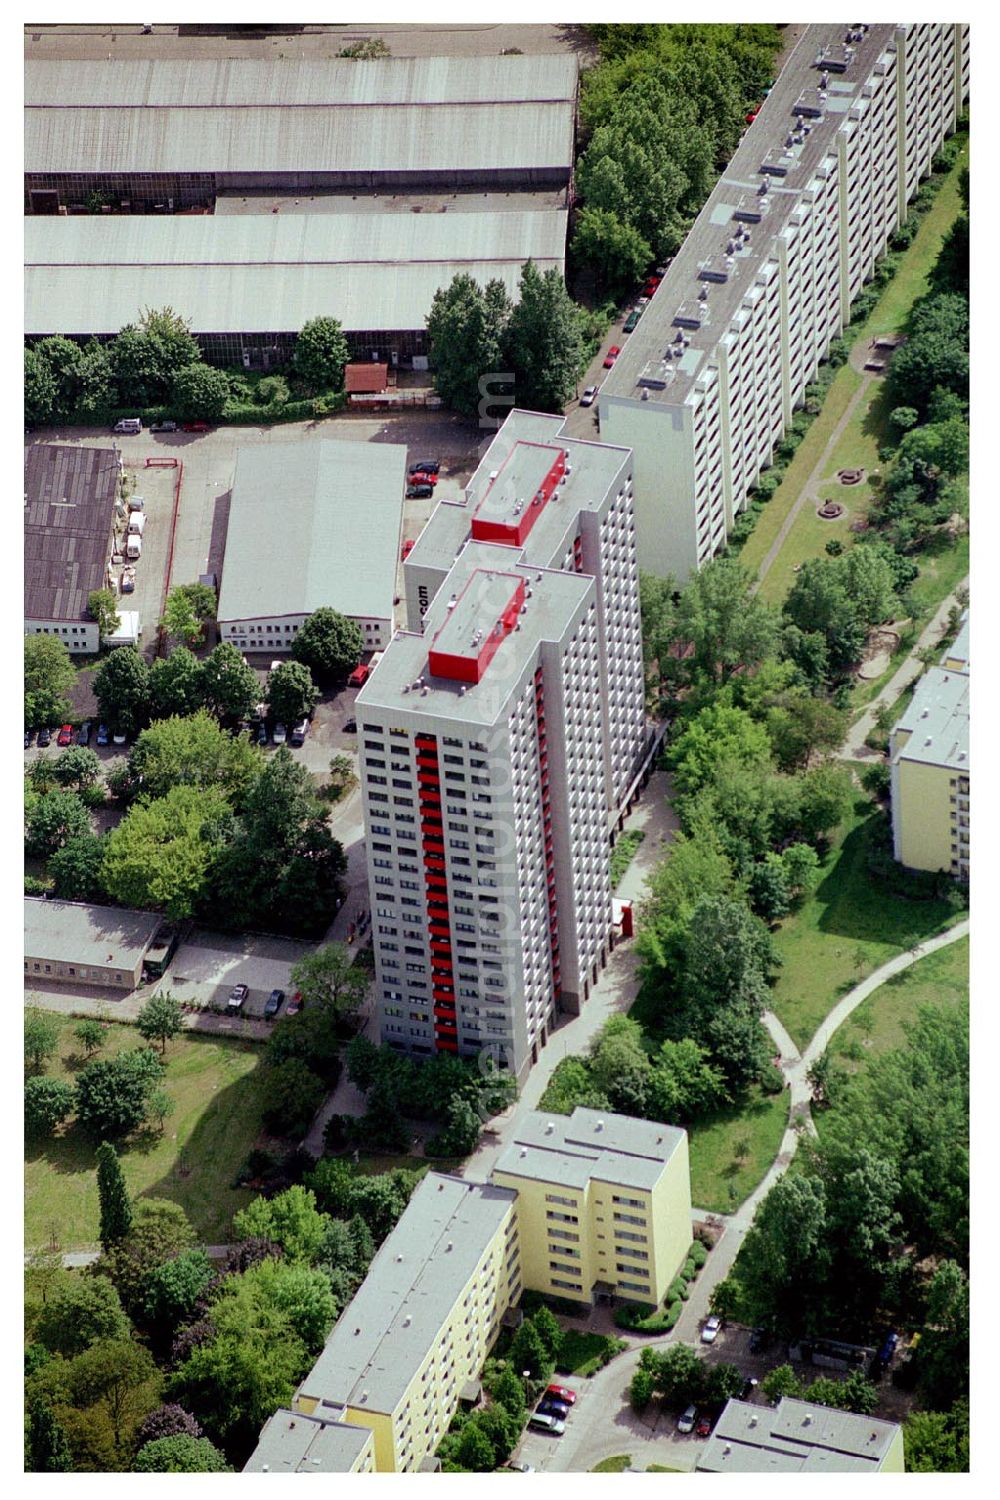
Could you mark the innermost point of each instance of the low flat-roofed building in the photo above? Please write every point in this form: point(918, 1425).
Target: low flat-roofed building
point(800, 1437)
point(79, 944)
point(311, 525)
point(930, 768)
point(69, 515)
point(603, 1204)
point(421, 1323)
point(292, 1443)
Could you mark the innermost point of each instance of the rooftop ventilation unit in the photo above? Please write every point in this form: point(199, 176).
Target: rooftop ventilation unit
point(650, 383)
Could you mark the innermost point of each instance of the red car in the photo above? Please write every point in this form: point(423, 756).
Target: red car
point(65, 735)
point(195, 427)
point(561, 1393)
point(294, 1005)
point(651, 285)
point(360, 675)
point(704, 1427)
point(424, 476)
point(408, 547)
point(611, 356)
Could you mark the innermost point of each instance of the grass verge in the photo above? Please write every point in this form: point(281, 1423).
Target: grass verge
point(615, 1465)
point(731, 1149)
point(215, 1086)
point(847, 928)
point(877, 1025)
point(584, 1353)
point(623, 854)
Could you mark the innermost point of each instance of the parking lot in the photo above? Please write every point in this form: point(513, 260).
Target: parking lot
point(156, 488)
point(539, 1448)
point(206, 967)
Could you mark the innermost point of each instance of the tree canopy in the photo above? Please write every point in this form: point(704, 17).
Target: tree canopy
point(467, 329)
point(49, 675)
point(329, 645)
point(320, 354)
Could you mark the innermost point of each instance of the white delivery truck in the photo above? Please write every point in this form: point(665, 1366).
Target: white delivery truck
point(137, 523)
point(133, 547)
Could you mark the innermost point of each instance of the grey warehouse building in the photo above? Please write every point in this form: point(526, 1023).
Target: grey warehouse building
point(69, 515)
point(247, 283)
point(311, 524)
point(175, 133)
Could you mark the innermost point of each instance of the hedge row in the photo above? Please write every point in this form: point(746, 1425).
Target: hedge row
point(641, 1318)
point(234, 414)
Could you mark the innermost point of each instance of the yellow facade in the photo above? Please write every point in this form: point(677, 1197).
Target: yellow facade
point(894, 1462)
point(631, 1239)
point(923, 813)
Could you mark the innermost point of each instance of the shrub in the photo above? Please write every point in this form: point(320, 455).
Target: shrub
point(272, 391)
point(834, 547)
point(47, 1102)
point(698, 1253)
point(678, 1290)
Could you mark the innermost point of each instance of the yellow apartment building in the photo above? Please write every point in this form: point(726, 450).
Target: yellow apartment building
point(418, 1329)
point(603, 1204)
point(930, 770)
point(292, 1443)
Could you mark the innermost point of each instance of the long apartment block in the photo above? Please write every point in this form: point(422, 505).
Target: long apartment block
point(607, 1194)
point(706, 385)
point(498, 740)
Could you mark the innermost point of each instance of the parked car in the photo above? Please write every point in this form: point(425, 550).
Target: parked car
point(350, 726)
point(128, 424)
point(29, 735)
point(522, 1468)
point(553, 1408)
point(237, 997)
point(688, 1418)
point(611, 356)
point(421, 491)
point(273, 1004)
point(128, 580)
point(103, 734)
point(65, 736)
point(632, 320)
point(424, 476)
point(136, 502)
point(360, 675)
point(280, 734)
point(703, 1428)
point(541, 1422)
point(426, 466)
point(163, 426)
point(196, 427)
point(710, 1332)
point(262, 733)
point(587, 399)
point(44, 738)
point(561, 1393)
point(408, 547)
point(299, 732)
point(294, 1005)
point(119, 737)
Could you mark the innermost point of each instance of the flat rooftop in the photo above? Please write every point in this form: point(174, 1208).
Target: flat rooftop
point(69, 507)
point(733, 234)
point(311, 524)
point(102, 936)
point(797, 1436)
point(590, 1145)
point(292, 1443)
point(387, 1330)
point(938, 721)
point(404, 678)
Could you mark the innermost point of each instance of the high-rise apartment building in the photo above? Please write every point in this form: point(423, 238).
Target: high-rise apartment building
point(498, 741)
point(706, 385)
point(931, 770)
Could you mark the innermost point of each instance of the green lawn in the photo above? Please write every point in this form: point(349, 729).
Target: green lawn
point(867, 429)
point(848, 928)
point(877, 1026)
point(719, 1179)
point(614, 1465)
point(584, 1353)
point(215, 1087)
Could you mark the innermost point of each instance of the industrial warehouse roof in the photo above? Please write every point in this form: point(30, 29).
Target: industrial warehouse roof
point(591, 1144)
point(407, 114)
point(797, 1437)
point(246, 274)
point(101, 936)
point(666, 356)
point(69, 502)
point(311, 524)
point(387, 1331)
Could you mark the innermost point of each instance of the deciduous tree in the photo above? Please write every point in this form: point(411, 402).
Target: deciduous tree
point(47, 1103)
point(176, 684)
point(159, 856)
point(291, 693)
point(543, 341)
point(160, 1020)
point(180, 1455)
point(121, 687)
point(41, 1038)
point(102, 606)
point(76, 868)
point(112, 1093)
point(466, 327)
point(328, 644)
point(81, 1311)
point(199, 393)
point(321, 352)
point(229, 687)
point(194, 751)
point(52, 821)
point(49, 675)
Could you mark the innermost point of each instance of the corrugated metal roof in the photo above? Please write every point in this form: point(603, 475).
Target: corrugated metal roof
point(311, 524)
point(69, 502)
point(284, 81)
point(249, 116)
point(270, 274)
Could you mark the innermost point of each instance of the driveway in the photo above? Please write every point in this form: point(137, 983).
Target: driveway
point(206, 966)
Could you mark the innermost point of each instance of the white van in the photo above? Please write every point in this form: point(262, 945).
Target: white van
point(133, 548)
point(128, 424)
point(136, 523)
